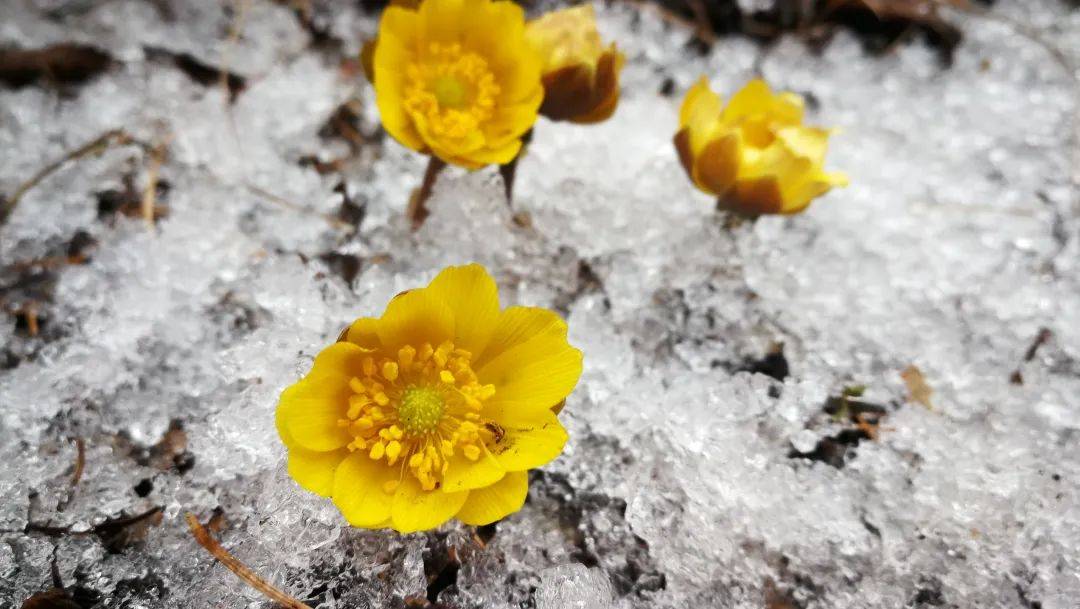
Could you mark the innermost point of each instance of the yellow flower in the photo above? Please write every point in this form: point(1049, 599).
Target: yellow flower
point(754, 154)
point(456, 79)
point(581, 76)
point(433, 411)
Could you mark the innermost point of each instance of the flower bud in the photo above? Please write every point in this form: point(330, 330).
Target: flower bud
point(754, 154)
point(580, 74)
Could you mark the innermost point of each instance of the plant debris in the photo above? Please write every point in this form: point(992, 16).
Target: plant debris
point(773, 365)
point(200, 72)
point(1043, 337)
point(918, 390)
point(231, 563)
point(114, 137)
point(117, 534)
point(66, 63)
point(847, 408)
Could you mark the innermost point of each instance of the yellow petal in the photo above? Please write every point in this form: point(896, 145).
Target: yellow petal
point(508, 124)
point(358, 490)
point(315, 470)
point(367, 58)
point(464, 474)
point(529, 442)
point(309, 412)
point(413, 318)
point(364, 332)
point(415, 509)
point(473, 297)
point(798, 197)
point(608, 70)
point(486, 505)
point(516, 326)
point(491, 156)
point(776, 161)
point(529, 362)
point(495, 24)
point(452, 150)
point(279, 422)
point(519, 74)
point(444, 21)
point(700, 106)
point(787, 108)
point(754, 98)
point(398, 35)
point(809, 143)
point(341, 358)
point(717, 165)
point(755, 197)
point(835, 179)
point(386, 524)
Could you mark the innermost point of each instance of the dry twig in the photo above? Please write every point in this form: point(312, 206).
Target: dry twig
point(80, 462)
point(235, 29)
point(110, 138)
point(149, 198)
point(269, 196)
point(705, 35)
point(231, 563)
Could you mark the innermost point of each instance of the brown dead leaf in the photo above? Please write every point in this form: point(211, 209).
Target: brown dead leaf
point(55, 598)
point(64, 63)
point(918, 390)
point(171, 449)
point(116, 534)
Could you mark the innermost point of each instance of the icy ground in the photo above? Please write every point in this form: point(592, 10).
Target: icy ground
point(690, 480)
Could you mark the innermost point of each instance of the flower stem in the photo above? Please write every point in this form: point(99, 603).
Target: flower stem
point(509, 170)
point(417, 210)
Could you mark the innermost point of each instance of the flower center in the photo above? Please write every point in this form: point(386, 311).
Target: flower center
point(420, 410)
point(449, 91)
point(418, 407)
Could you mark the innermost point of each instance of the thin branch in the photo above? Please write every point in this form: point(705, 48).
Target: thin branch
point(704, 35)
point(269, 196)
point(701, 18)
point(1024, 29)
point(235, 29)
point(98, 144)
point(149, 198)
point(233, 564)
point(80, 462)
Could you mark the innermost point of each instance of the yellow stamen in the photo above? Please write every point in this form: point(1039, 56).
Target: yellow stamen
point(421, 405)
point(406, 355)
point(393, 451)
point(377, 451)
point(357, 386)
point(390, 371)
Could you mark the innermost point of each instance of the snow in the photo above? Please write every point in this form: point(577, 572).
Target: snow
point(953, 248)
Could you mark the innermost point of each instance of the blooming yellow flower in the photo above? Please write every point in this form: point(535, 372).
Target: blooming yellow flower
point(433, 411)
point(456, 79)
point(581, 76)
point(754, 154)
